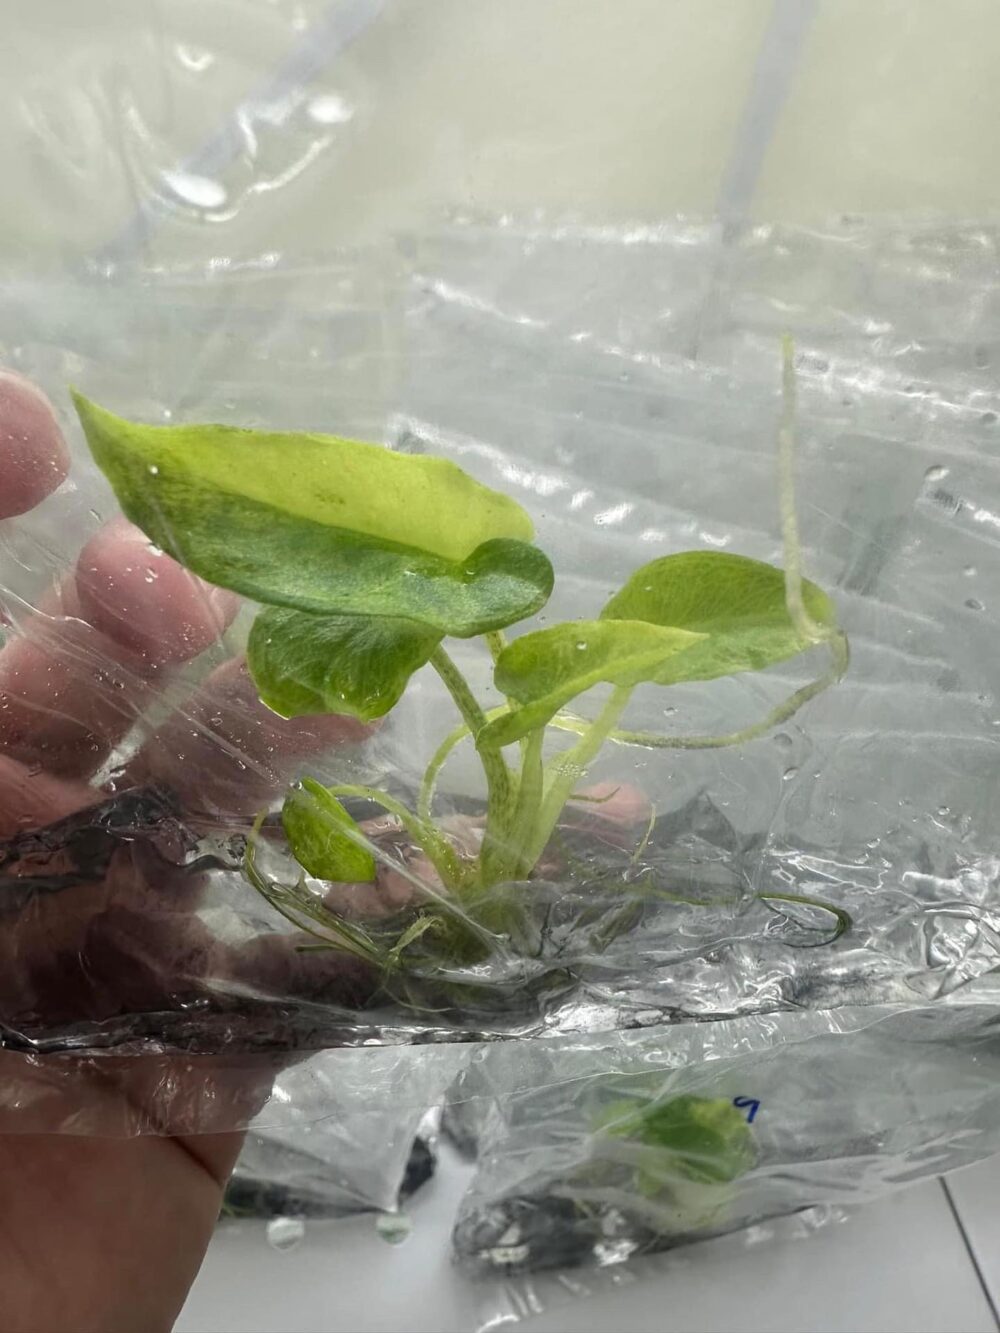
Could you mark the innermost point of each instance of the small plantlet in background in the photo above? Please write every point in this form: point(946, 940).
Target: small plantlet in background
point(678, 1160)
point(696, 1138)
point(365, 563)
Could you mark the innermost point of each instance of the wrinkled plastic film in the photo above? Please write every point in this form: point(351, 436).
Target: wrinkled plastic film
point(820, 1112)
point(366, 1144)
point(877, 798)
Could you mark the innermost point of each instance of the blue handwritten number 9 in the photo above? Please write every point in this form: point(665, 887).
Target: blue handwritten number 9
point(749, 1104)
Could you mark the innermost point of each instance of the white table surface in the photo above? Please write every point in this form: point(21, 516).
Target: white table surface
point(902, 1263)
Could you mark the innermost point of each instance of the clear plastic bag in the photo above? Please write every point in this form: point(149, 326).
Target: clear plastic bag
point(875, 801)
point(591, 1153)
point(805, 924)
point(345, 1132)
point(364, 1154)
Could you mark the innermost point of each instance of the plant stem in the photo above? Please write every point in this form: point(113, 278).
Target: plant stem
point(496, 641)
point(843, 919)
point(529, 799)
point(648, 740)
point(568, 768)
point(425, 800)
point(300, 907)
point(799, 616)
point(500, 790)
point(438, 850)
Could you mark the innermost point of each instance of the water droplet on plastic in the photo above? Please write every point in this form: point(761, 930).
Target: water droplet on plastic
point(201, 191)
point(330, 109)
point(783, 741)
point(284, 1233)
point(935, 473)
point(944, 810)
point(789, 773)
point(581, 646)
point(195, 59)
point(95, 514)
point(970, 571)
point(974, 604)
point(393, 1227)
point(154, 471)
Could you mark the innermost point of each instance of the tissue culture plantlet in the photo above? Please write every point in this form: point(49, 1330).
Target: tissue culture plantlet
point(654, 1168)
point(365, 563)
point(683, 1154)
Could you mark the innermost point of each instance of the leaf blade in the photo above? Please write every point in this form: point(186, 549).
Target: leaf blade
point(736, 603)
point(542, 670)
point(358, 665)
point(318, 829)
point(325, 479)
point(288, 557)
point(704, 1139)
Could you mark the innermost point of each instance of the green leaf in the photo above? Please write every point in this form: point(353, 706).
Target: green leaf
point(426, 503)
point(543, 670)
point(706, 1139)
point(359, 665)
point(736, 604)
point(325, 525)
point(319, 832)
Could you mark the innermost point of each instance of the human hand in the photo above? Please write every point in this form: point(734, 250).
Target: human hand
point(106, 1210)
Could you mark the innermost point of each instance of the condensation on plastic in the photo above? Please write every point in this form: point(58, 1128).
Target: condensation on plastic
point(623, 386)
point(621, 381)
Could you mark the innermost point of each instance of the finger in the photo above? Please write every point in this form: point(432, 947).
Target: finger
point(145, 601)
point(225, 753)
point(34, 459)
point(79, 673)
point(290, 967)
point(83, 956)
point(30, 798)
point(614, 810)
point(123, 1264)
point(67, 693)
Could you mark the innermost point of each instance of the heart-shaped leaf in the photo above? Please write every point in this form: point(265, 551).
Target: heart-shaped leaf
point(319, 831)
point(544, 670)
point(325, 525)
point(737, 605)
point(303, 663)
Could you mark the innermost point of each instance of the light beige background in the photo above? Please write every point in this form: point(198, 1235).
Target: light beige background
point(602, 110)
